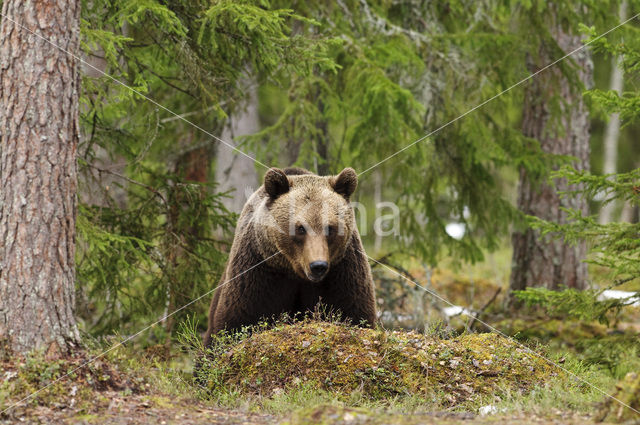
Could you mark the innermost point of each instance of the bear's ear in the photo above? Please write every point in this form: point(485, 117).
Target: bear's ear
point(276, 182)
point(345, 183)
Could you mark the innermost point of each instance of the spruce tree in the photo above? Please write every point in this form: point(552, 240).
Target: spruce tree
point(614, 246)
point(554, 114)
point(153, 230)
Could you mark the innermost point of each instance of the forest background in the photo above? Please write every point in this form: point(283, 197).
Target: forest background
point(486, 124)
point(325, 86)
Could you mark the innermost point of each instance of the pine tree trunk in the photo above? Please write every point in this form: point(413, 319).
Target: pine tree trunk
point(540, 261)
point(39, 129)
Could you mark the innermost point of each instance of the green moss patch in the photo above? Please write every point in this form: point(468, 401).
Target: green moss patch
point(376, 363)
point(74, 384)
point(613, 350)
point(544, 330)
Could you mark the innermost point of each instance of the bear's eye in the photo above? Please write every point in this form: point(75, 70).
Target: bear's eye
point(300, 230)
point(330, 230)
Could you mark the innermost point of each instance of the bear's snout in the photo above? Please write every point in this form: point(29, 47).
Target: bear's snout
point(318, 269)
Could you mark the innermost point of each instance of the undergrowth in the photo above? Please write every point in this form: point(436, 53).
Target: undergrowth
point(615, 352)
point(86, 381)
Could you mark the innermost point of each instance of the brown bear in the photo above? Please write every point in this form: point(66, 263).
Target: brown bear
point(296, 244)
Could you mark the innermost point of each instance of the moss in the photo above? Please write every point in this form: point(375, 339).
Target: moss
point(342, 415)
point(544, 329)
point(70, 381)
point(330, 415)
point(614, 350)
point(378, 364)
point(627, 392)
point(461, 290)
point(159, 401)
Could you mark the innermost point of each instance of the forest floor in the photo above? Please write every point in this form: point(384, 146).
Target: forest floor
point(152, 408)
point(324, 373)
point(141, 387)
point(157, 408)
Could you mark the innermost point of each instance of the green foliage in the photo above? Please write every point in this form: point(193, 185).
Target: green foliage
point(349, 84)
point(153, 235)
point(616, 245)
point(266, 35)
point(405, 70)
point(625, 44)
point(571, 303)
point(617, 354)
point(134, 261)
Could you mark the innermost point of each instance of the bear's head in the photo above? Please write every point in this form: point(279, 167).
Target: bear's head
point(312, 220)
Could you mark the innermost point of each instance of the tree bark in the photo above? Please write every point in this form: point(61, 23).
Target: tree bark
point(540, 261)
point(39, 86)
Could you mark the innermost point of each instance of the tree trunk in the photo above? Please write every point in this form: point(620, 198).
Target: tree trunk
point(377, 200)
point(192, 166)
point(322, 140)
point(235, 172)
point(540, 261)
point(612, 131)
point(39, 87)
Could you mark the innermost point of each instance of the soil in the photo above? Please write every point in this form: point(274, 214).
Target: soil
point(135, 409)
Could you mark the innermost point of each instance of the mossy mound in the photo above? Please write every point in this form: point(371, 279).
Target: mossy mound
point(377, 363)
point(627, 392)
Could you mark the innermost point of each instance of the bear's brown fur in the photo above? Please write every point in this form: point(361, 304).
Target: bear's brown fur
point(295, 219)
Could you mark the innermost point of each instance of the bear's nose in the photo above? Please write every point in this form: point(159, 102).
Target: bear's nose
point(318, 268)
